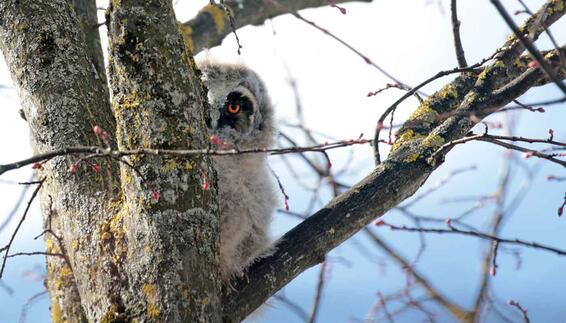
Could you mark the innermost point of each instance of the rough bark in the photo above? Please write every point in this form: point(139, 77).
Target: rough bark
point(62, 99)
point(87, 13)
point(159, 102)
point(129, 256)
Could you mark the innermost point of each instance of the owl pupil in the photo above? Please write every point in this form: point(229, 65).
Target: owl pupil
point(236, 111)
point(236, 102)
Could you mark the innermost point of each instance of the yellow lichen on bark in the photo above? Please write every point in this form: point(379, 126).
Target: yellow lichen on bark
point(150, 294)
point(75, 245)
point(110, 315)
point(153, 311)
point(62, 277)
point(56, 315)
point(424, 113)
point(112, 235)
point(433, 141)
point(448, 92)
point(405, 137)
point(50, 246)
point(555, 6)
point(187, 33)
point(412, 157)
point(130, 101)
point(218, 16)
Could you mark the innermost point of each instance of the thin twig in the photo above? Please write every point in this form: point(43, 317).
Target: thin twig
point(520, 308)
point(28, 304)
point(96, 151)
point(232, 21)
point(318, 293)
point(36, 253)
point(456, 32)
point(481, 235)
point(494, 249)
point(16, 206)
point(341, 41)
point(497, 141)
point(383, 304)
point(9, 244)
point(295, 308)
point(7, 288)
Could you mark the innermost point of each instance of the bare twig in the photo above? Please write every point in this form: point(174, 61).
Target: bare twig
point(279, 6)
point(36, 253)
point(96, 151)
point(281, 188)
point(520, 308)
point(16, 207)
point(232, 21)
point(29, 303)
point(497, 140)
point(440, 184)
point(9, 244)
point(494, 249)
point(456, 32)
point(481, 235)
point(318, 293)
point(7, 288)
point(295, 308)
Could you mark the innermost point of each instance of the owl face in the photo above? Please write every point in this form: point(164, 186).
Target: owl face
point(240, 109)
point(237, 112)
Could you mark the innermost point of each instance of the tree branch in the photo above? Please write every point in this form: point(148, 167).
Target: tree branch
point(397, 178)
point(460, 56)
point(211, 24)
point(528, 44)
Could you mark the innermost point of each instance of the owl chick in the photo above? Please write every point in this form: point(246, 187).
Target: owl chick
point(241, 115)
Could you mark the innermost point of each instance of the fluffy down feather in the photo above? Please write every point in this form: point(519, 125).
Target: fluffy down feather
point(246, 191)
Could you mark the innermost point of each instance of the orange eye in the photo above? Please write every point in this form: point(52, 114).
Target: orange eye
point(234, 108)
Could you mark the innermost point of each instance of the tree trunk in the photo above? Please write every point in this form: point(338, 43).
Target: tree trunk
point(141, 239)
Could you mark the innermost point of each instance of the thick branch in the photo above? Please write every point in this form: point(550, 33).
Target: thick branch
point(212, 24)
point(390, 183)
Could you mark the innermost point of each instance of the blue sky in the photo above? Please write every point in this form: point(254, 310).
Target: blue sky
point(412, 40)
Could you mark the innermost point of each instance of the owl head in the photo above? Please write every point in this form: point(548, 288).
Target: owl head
point(240, 109)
